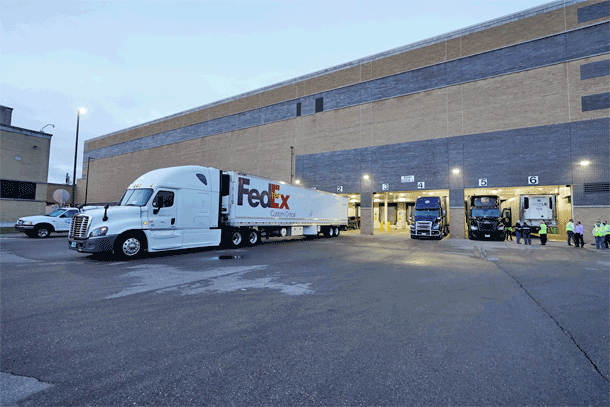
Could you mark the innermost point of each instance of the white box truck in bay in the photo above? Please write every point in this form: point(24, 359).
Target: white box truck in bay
point(194, 206)
point(533, 209)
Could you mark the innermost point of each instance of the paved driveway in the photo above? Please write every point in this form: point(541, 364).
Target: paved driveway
point(353, 320)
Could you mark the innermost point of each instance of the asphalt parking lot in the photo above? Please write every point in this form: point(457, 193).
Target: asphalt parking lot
point(352, 320)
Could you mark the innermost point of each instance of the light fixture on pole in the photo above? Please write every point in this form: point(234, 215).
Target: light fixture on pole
point(81, 110)
point(47, 125)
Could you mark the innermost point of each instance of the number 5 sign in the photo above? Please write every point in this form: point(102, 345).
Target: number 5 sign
point(532, 180)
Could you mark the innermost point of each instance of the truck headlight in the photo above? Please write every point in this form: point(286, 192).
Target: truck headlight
point(99, 232)
point(27, 222)
point(500, 227)
point(474, 228)
point(435, 226)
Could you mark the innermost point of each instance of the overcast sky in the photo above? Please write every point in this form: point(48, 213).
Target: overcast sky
point(130, 62)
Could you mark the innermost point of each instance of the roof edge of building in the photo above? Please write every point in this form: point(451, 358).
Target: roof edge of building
point(544, 8)
point(26, 131)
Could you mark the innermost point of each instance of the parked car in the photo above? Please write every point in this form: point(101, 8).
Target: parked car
point(43, 225)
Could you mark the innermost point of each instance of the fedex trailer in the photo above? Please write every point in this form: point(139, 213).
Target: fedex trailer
point(194, 206)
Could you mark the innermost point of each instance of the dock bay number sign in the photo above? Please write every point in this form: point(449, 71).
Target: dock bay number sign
point(532, 180)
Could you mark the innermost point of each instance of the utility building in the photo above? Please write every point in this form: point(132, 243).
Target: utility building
point(518, 106)
point(24, 167)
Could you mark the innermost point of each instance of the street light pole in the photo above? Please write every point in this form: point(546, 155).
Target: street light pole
point(83, 111)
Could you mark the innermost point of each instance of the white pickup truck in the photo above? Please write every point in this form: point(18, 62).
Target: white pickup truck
point(43, 225)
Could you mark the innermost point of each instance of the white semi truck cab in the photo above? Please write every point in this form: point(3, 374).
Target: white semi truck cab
point(194, 206)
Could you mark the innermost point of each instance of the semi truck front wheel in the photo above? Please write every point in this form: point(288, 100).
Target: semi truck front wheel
point(129, 246)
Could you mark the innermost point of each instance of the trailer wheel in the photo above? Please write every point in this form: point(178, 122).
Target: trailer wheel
point(283, 232)
point(254, 237)
point(336, 231)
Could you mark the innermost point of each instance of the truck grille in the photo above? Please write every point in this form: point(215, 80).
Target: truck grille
point(423, 226)
point(78, 228)
point(487, 226)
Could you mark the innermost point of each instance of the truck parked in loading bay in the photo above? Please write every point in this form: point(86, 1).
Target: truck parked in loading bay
point(430, 218)
point(532, 209)
point(483, 218)
point(194, 206)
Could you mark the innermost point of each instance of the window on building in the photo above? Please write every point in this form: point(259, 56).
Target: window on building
point(298, 109)
point(319, 105)
point(17, 189)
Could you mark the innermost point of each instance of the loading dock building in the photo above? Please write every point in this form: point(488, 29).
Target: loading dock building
point(517, 105)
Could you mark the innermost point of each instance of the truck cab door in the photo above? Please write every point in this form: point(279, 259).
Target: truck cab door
point(200, 212)
point(507, 214)
point(163, 220)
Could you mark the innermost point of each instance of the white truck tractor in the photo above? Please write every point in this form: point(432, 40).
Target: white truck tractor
point(194, 206)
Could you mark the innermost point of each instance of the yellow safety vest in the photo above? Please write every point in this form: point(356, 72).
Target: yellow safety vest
point(569, 227)
point(607, 229)
point(598, 231)
point(543, 229)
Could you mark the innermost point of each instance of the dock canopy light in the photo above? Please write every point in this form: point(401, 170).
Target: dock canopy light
point(584, 163)
point(456, 170)
point(366, 177)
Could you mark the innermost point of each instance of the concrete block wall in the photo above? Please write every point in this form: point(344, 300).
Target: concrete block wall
point(504, 158)
point(540, 22)
point(444, 89)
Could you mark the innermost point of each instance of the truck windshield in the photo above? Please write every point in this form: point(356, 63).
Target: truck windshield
point(489, 212)
point(426, 212)
point(135, 197)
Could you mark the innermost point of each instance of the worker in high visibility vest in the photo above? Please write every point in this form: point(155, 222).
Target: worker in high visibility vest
point(570, 231)
point(599, 232)
point(542, 233)
point(606, 234)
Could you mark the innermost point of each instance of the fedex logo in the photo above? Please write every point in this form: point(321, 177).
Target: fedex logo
point(267, 199)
